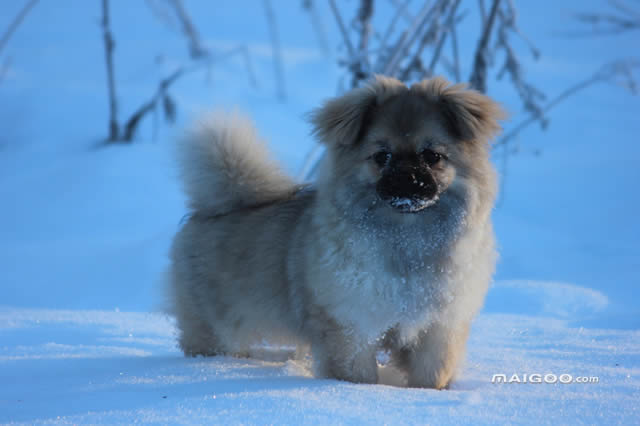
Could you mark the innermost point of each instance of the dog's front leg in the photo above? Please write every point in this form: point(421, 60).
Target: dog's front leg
point(431, 361)
point(337, 354)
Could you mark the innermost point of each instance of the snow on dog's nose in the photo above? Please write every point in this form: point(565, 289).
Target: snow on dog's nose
point(408, 189)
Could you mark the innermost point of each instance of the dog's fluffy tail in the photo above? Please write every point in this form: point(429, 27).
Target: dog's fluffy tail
point(225, 166)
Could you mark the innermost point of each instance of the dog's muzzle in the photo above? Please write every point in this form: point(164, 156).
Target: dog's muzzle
point(408, 190)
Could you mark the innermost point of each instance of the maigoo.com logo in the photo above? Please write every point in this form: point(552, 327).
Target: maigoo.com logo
point(549, 378)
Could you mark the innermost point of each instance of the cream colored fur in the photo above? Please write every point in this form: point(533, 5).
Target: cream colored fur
point(334, 267)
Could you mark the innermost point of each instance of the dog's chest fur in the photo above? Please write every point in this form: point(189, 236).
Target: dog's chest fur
point(373, 278)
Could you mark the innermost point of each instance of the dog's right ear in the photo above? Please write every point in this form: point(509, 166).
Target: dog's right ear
point(343, 120)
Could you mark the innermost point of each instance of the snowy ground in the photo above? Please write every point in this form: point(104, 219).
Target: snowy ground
point(115, 367)
point(84, 234)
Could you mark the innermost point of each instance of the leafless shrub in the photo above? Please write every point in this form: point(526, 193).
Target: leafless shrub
point(201, 57)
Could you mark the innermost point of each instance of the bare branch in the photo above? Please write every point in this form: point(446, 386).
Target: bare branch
point(318, 28)
point(160, 94)
point(244, 51)
point(131, 125)
point(621, 19)
point(483, 13)
point(360, 67)
point(343, 30)
point(13, 26)
point(163, 13)
point(608, 72)
point(385, 51)
point(528, 93)
point(392, 24)
point(109, 45)
point(513, 26)
point(555, 101)
point(409, 37)
point(624, 9)
point(430, 36)
point(478, 79)
point(450, 28)
point(454, 49)
point(195, 47)
point(277, 51)
point(365, 12)
point(403, 10)
point(604, 24)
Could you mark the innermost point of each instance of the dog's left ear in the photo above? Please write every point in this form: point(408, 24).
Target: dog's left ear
point(469, 115)
point(343, 120)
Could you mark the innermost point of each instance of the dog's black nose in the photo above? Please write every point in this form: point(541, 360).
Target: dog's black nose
point(411, 183)
point(408, 190)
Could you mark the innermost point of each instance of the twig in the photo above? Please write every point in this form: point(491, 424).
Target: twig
point(429, 36)
point(318, 28)
point(131, 125)
point(616, 24)
point(195, 47)
point(343, 30)
point(244, 51)
point(454, 49)
point(13, 26)
point(365, 12)
point(404, 12)
point(277, 51)
point(528, 93)
point(478, 79)
point(360, 66)
point(626, 10)
point(109, 45)
point(483, 13)
point(163, 14)
point(408, 38)
point(392, 24)
point(555, 101)
point(516, 29)
point(451, 24)
point(385, 50)
point(134, 121)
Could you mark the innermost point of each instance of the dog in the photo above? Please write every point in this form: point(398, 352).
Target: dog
point(391, 249)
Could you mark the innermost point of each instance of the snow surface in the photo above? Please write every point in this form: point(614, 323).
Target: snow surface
point(92, 367)
point(84, 233)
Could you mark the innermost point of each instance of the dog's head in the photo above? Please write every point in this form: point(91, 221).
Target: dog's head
point(406, 146)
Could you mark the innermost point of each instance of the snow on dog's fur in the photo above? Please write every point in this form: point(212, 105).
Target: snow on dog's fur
point(393, 248)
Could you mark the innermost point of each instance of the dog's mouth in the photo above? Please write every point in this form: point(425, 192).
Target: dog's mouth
point(411, 205)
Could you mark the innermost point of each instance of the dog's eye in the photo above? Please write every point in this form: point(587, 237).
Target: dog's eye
point(382, 158)
point(431, 157)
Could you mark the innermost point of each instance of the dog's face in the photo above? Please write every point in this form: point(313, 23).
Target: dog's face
point(407, 153)
point(399, 149)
